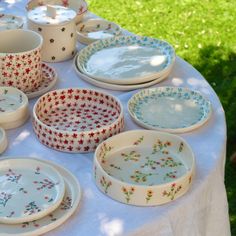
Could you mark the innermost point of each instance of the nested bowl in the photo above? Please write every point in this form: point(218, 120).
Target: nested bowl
point(76, 120)
point(143, 167)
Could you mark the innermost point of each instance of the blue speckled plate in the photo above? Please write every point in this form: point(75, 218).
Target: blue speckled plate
point(170, 109)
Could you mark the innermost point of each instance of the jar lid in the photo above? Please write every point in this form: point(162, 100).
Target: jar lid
point(51, 15)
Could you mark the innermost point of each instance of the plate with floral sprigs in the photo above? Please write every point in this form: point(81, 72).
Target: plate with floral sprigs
point(144, 168)
point(169, 109)
point(67, 207)
point(8, 22)
point(29, 190)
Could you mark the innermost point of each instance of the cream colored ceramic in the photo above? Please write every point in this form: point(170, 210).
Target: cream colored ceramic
point(20, 59)
point(79, 6)
point(8, 22)
point(3, 140)
point(49, 75)
point(96, 29)
point(30, 190)
point(56, 218)
point(170, 109)
point(57, 26)
point(13, 107)
point(143, 167)
point(126, 59)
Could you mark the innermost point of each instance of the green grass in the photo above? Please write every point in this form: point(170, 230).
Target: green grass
point(203, 33)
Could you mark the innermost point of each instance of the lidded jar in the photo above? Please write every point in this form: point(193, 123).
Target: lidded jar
point(57, 26)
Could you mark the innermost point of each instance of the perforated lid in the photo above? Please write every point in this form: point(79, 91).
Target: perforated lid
point(51, 15)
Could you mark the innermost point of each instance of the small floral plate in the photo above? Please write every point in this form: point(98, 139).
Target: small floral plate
point(49, 80)
point(169, 109)
point(8, 22)
point(67, 207)
point(29, 190)
point(143, 167)
point(96, 29)
point(3, 140)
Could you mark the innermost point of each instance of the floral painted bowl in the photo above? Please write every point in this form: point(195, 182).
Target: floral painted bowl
point(79, 6)
point(76, 120)
point(144, 168)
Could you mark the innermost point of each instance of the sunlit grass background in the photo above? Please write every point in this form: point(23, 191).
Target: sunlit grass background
point(204, 34)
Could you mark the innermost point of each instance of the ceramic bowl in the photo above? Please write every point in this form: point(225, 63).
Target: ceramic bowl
point(76, 120)
point(3, 140)
point(96, 29)
point(13, 107)
point(144, 168)
point(57, 26)
point(20, 59)
point(79, 6)
point(8, 22)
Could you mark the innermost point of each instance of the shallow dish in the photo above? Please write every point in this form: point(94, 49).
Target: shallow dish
point(170, 109)
point(76, 120)
point(38, 187)
point(13, 105)
point(126, 59)
point(79, 6)
point(3, 140)
point(96, 29)
point(49, 75)
point(8, 22)
point(143, 167)
point(59, 216)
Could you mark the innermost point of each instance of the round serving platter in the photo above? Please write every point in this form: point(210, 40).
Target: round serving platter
point(126, 59)
point(8, 22)
point(170, 109)
point(54, 219)
point(38, 187)
point(143, 167)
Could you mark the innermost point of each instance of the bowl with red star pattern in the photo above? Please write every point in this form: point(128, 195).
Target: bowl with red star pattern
point(76, 120)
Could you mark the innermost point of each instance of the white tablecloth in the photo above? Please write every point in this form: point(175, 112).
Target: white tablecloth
point(202, 211)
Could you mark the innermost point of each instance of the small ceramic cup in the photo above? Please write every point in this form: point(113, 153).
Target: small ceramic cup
point(20, 59)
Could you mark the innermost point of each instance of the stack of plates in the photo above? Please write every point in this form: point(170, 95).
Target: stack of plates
point(48, 195)
point(13, 107)
point(125, 62)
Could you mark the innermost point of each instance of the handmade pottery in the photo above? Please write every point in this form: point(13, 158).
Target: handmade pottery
point(10, 22)
point(13, 107)
point(49, 80)
point(143, 167)
point(38, 187)
point(67, 207)
point(57, 26)
point(126, 59)
point(76, 120)
point(20, 59)
point(96, 29)
point(79, 6)
point(3, 140)
point(170, 109)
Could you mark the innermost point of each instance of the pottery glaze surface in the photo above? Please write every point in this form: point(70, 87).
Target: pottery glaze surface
point(3, 140)
point(20, 59)
point(59, 32)
point(144, 168)
point(8, 22)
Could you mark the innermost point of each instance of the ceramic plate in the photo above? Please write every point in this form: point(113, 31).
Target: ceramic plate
point(59, 216)
point(13, 104)
point(10, 22)
point(3, 140)
point(170, 109)
point(119, 87)
point(76, 120)
point(143, 167)
point(48, 82)
point(38, 187)
point(96, 29)
point(126, 59)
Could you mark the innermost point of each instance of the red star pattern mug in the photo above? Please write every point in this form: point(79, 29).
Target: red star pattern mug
point(20, 59)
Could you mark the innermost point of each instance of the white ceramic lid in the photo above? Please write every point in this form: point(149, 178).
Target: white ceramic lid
point(51, 15)
point(10, 22)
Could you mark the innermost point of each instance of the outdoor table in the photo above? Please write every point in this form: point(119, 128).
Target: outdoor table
point(203, 210)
